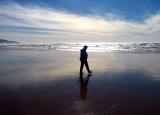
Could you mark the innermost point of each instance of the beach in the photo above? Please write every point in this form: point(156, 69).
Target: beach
point(47, 82)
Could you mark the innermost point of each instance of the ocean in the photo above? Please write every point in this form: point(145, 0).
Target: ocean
point(93, 47)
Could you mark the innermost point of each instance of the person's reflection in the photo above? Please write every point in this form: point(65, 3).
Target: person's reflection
point(83, 87)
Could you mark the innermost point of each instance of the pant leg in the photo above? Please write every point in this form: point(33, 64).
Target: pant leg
point(87, 66)
point(81, 67)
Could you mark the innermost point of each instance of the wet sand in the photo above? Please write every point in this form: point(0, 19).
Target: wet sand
point(48, 83)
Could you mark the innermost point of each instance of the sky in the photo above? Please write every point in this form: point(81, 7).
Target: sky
point(50, 21)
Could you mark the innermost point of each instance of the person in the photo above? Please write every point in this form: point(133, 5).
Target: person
point(83, 59)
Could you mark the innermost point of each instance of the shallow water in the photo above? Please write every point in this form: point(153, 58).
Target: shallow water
point(47, 83)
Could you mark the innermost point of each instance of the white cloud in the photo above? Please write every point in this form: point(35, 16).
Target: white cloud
point(63, 26)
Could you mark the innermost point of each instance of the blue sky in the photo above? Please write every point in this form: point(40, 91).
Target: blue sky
point(32, 21)
point(129, 9)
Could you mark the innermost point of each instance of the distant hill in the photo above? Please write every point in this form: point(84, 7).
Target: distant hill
point(2, 41)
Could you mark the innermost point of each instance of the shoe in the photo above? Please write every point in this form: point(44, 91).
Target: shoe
point(81, 73)
point(90, 72)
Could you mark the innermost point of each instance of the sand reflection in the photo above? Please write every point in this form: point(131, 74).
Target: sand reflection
point(29, 67)
point(84, 86)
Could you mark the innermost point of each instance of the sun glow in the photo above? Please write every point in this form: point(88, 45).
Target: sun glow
point(86, 26)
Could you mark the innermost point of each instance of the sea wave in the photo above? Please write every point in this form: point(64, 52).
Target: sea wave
point(93, 47)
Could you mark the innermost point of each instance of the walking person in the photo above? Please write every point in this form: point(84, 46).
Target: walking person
point(83, 59)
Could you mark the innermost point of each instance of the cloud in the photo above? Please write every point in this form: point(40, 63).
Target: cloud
point(26, 22)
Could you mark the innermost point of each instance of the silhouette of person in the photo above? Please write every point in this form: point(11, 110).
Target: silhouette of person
point(83, 59)
point(83, 87)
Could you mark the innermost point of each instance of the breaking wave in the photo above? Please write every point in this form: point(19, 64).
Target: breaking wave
point(93, 47)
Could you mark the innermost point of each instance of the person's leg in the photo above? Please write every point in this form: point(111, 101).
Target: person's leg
point(81, 67)
point(87, 66)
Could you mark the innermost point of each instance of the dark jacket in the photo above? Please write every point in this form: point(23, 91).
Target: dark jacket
point(83, 55)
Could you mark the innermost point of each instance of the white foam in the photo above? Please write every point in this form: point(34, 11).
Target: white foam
point(93, 47)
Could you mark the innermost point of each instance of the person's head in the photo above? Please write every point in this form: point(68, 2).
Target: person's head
point(85, 47)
